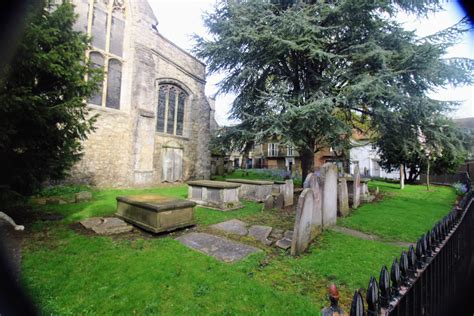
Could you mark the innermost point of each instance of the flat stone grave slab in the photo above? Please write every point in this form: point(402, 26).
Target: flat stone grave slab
point(106, 225)
point(254, 190)
point(218, 247)
point(156, 213)
point(233, 226)
point(220, 195)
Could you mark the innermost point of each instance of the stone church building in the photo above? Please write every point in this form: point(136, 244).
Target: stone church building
point(154, 118)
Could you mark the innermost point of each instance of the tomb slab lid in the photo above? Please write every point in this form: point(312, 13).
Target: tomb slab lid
point(254, 182)
point(213, 184)
point(155, 202)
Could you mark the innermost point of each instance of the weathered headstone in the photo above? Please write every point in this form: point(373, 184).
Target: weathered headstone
point(303, 222)
point(329, 204)
point(312, 182)
point(279, 201)
point(356, 190)
point(268, 203)
point(288, 192)
point(343, 197)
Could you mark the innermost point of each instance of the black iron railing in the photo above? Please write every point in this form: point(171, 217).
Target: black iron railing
point(432, 278)
point(436, 277)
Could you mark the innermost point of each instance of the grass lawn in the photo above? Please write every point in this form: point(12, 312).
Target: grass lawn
point(69, 273)
point(402, 215)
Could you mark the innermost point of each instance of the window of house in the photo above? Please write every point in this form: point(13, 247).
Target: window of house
point(289, 151)
point(170, 110)
point(272, 150)
point(104, 21)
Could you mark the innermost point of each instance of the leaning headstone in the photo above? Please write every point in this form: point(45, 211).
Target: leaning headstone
point(302, 228)
point(288, 192)
point(377, 190)
point(268, 203)
point(356, 190)
point(343, 197)
point(312, 182)
point(329, 205)
point(279, 201)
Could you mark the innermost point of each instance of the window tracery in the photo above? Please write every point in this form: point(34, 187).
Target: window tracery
point(170, 110)
point(105, 22)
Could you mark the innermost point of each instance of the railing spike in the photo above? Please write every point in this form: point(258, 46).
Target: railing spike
point(384, 286)
point(404, 268)
point(411, 261)
point(357, 306)
point(372, 298)
point(419, 254)
point(395, 278)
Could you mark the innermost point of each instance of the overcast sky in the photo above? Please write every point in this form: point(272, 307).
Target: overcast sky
point(179, 19)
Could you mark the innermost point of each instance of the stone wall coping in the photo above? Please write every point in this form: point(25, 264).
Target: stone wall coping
point(213, 184)
point(279, 182)
point(155, 203)
point(254, 182)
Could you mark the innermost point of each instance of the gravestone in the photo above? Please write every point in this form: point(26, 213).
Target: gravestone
point(288, 192)
point(218, 247)
point(279, 201)
point(329, 196)
point(268, 203)
point(83, 196)
point(261, 233)
point(106, 225)
point(312, 182)
point(356, 188)
point(303, 222)
point(343, 197)
point(233, 226)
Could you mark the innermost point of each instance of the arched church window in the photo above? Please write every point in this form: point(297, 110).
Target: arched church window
point(170, 110)
point(97, 61)
point(106, 25)
point(114, 81)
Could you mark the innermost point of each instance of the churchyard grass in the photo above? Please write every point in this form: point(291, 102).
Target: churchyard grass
point(402, 215)
point(67, 272)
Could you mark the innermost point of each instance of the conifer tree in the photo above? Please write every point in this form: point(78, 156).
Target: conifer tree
point(311, 71)
point(43, 116)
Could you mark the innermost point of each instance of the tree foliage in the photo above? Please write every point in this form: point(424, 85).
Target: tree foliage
point(43, 117)
point(310, 70)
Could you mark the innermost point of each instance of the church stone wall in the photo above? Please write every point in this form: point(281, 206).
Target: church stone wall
point(106, 160)
point(125, 149)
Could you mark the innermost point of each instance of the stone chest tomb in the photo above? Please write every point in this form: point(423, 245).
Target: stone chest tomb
point(156, 213)
point(219, 195)
point(254, 190)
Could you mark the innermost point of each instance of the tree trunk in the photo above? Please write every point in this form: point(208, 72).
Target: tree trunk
point(402, 176)
point(307, 162)
point(428, 175)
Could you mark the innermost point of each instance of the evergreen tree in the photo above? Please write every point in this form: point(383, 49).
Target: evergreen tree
point(43, 116)
point(311, 70)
